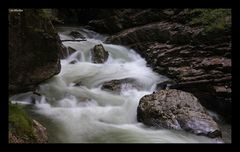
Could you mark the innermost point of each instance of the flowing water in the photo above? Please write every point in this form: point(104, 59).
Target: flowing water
point(85, 113)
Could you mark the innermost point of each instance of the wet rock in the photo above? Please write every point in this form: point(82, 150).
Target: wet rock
point(40, 132)
point(34, 48)
point(99, 54)
point(113, 85)
point(117, 85)
point(63, 52)
point(66, 51)
point(165, 85)
point(76, 34)
point(178, 110)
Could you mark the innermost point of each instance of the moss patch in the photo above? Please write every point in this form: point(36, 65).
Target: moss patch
point(20, 124)
point(212, 20)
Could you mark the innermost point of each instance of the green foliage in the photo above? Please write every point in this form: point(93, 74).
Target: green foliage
point(212, 20)
point(19, 122)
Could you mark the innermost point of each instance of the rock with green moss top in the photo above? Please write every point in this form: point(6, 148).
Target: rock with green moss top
point(22, 129)
point(34, 48)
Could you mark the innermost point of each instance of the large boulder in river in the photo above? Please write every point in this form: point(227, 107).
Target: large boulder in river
point(99, 54)
point(34, 48)
point(178, 110)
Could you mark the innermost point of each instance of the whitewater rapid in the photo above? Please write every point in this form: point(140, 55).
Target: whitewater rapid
point(87, 114)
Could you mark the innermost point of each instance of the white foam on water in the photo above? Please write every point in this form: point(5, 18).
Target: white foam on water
point(86, 113)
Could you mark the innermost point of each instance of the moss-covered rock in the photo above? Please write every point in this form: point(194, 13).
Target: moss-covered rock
point(212, 19)
point(22, 129)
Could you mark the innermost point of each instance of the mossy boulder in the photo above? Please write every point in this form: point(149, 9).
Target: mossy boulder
point(22, 129)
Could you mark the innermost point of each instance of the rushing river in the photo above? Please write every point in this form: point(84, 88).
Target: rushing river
point(85, 113)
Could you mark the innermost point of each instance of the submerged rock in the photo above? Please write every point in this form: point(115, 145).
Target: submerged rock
point(117, 85)
point(113, 85)
point(178, 110)
point(99, 54)
point(76, 34)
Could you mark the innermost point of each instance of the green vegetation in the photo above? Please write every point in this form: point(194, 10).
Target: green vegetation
point(212, 20)
point(19, 123)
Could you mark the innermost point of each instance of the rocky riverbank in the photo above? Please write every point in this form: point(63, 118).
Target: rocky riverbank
point(34, 48)
point(190, 46)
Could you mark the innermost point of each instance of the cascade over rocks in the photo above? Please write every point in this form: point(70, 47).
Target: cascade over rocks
point(197, 56)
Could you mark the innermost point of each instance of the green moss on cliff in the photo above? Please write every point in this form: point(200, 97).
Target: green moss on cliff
point(212, 20)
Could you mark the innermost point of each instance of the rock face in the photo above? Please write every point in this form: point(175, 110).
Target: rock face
point(99, 55)
point(178, 110)
point(34, 48)
point(197, 69)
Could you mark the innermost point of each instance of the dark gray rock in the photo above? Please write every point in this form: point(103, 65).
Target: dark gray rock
point(117, 85)
point(66, 51)
point(34, 48)
point(99, 54)
point(76, 34)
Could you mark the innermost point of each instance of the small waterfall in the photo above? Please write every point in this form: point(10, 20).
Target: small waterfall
point(85, 113)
